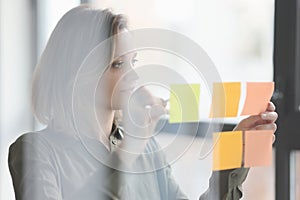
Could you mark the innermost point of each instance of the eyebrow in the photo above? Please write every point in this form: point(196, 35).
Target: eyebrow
point(120, 57)
point(135, 54)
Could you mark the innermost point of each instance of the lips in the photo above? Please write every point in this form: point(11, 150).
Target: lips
point(127, 89)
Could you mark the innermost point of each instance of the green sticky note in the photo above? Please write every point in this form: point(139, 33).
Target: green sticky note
point(184, 103)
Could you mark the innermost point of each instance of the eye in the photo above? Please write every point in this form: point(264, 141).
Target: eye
point(133, 61)
point(117, 64)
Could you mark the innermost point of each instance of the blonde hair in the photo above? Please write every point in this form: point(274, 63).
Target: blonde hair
point(77, 33)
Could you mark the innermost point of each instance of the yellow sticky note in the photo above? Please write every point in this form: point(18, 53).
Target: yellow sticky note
point(184, 103)
point(228, 150)
point(225, 99)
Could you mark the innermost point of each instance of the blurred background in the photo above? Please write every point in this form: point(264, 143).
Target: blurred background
point(238, 35)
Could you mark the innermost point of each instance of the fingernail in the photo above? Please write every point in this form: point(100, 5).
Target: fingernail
point(263, 116)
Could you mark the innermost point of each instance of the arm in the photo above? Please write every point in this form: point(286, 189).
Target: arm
point(226, 184)
point(139, 119)
point(223, 185)
point(32, 171)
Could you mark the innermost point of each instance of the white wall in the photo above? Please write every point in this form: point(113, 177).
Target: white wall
point(16, 64)
point(17, 59)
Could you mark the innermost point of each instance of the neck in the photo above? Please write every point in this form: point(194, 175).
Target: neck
point(105, 118)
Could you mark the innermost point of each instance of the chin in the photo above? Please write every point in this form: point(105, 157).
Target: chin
point(118, 105)
point(120, 100)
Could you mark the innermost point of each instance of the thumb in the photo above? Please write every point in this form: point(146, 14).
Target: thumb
point(249, 122)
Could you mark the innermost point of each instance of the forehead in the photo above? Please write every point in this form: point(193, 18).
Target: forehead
point(124, 44)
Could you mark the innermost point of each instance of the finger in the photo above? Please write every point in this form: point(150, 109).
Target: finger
point(160, 101)
point(271, 126)
point(157, 111)
point(266, 118)
point(250, 121)
point(142, 97)
point(271, 107)
point(164, 102)
point(269, 116)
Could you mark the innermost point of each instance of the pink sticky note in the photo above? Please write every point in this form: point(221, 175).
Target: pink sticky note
point(258, 148)
point(257, 97)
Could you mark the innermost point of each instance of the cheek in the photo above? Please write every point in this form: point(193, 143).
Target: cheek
point(113, 87)
point(110, 89)
point(105, 88)
point(113, 84)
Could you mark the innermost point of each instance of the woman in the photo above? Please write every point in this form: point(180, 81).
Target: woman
point(82, 153)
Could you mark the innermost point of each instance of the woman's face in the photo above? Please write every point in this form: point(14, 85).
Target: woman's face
point(119, 80)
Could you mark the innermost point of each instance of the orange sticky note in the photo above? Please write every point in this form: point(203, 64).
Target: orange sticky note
point(228, 150)
point(257, 97)
point(225, 99)
point(184, 103)
point(258, 148)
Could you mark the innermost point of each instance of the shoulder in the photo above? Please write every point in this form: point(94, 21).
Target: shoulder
point(36, 148)
point(39, 143)
point(30, 139)
point(44, 139)
point(28, 144)
point(26, 138)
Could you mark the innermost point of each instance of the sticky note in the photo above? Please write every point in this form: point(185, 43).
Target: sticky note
point(258, 96)
point(228, 150)
point(225, 99)
point(184, 103)
point(258, 148)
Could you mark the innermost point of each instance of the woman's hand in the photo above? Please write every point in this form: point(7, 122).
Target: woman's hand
point(263, 121)
point(140, 115)
point(143, 110)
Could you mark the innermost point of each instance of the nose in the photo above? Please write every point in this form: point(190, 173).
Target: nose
point(131, 76)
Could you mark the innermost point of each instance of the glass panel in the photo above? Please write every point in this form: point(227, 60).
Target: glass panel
point(236, 34)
